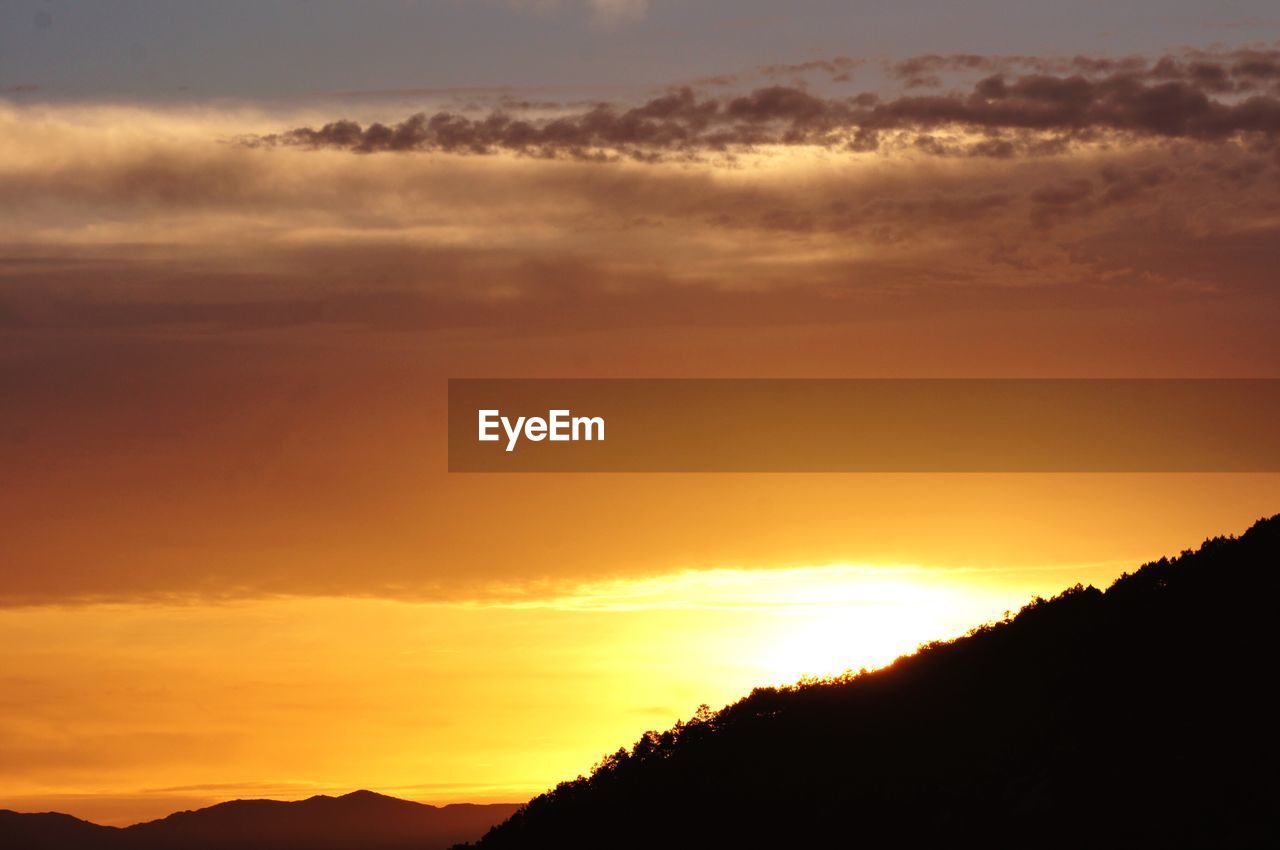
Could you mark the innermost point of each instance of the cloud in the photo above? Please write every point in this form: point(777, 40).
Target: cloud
point(179, 230)
point(839, 69)
point(281, 316)
point(613, 12)
point(603, 13)
point(1020, 106)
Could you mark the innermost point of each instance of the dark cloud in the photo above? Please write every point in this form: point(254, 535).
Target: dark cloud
point(1022, 104)
point(1240, 71)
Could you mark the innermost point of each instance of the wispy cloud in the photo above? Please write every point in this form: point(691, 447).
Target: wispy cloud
point(603, 13)
point(614, 12)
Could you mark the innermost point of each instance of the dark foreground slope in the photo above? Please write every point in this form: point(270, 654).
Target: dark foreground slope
point(1140, 717)
point(358, 821)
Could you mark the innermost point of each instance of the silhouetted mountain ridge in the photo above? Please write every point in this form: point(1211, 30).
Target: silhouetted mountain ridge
point(37, 831)
point(1139, 717)
point(361, 819)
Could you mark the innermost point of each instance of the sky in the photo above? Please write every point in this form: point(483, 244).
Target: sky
point(243, 246)
point(291, 48)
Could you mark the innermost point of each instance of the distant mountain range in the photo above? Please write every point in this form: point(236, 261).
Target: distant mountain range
point(362, 820)
point(1143, 717)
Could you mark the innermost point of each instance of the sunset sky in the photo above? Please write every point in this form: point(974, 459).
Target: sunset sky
point(244, 245)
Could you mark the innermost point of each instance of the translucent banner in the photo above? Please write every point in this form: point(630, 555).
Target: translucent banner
point(864, 425)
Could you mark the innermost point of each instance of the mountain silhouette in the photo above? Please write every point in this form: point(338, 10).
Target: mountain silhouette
point(1144, 716)
point(361, 820)
point(52, 830)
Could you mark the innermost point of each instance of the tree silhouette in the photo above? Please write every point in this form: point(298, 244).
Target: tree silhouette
point(1139, 717)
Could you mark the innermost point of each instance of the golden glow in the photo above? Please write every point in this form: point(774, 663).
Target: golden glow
point(124, 711)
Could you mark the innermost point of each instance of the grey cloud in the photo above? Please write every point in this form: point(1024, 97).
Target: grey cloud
point(1031, 111)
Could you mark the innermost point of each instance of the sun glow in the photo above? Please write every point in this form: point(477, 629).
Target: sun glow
point(816, 621)
point(867, 622)
point(172, 706)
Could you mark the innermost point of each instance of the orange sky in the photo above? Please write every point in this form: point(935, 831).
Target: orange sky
point(123, 711)
point(234, 564)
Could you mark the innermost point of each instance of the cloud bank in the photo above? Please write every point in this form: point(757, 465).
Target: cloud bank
point(281, 316)
point(1019, 105)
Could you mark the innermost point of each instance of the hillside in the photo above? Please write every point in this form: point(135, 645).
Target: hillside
point(358, 820)
point(1143, 716)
